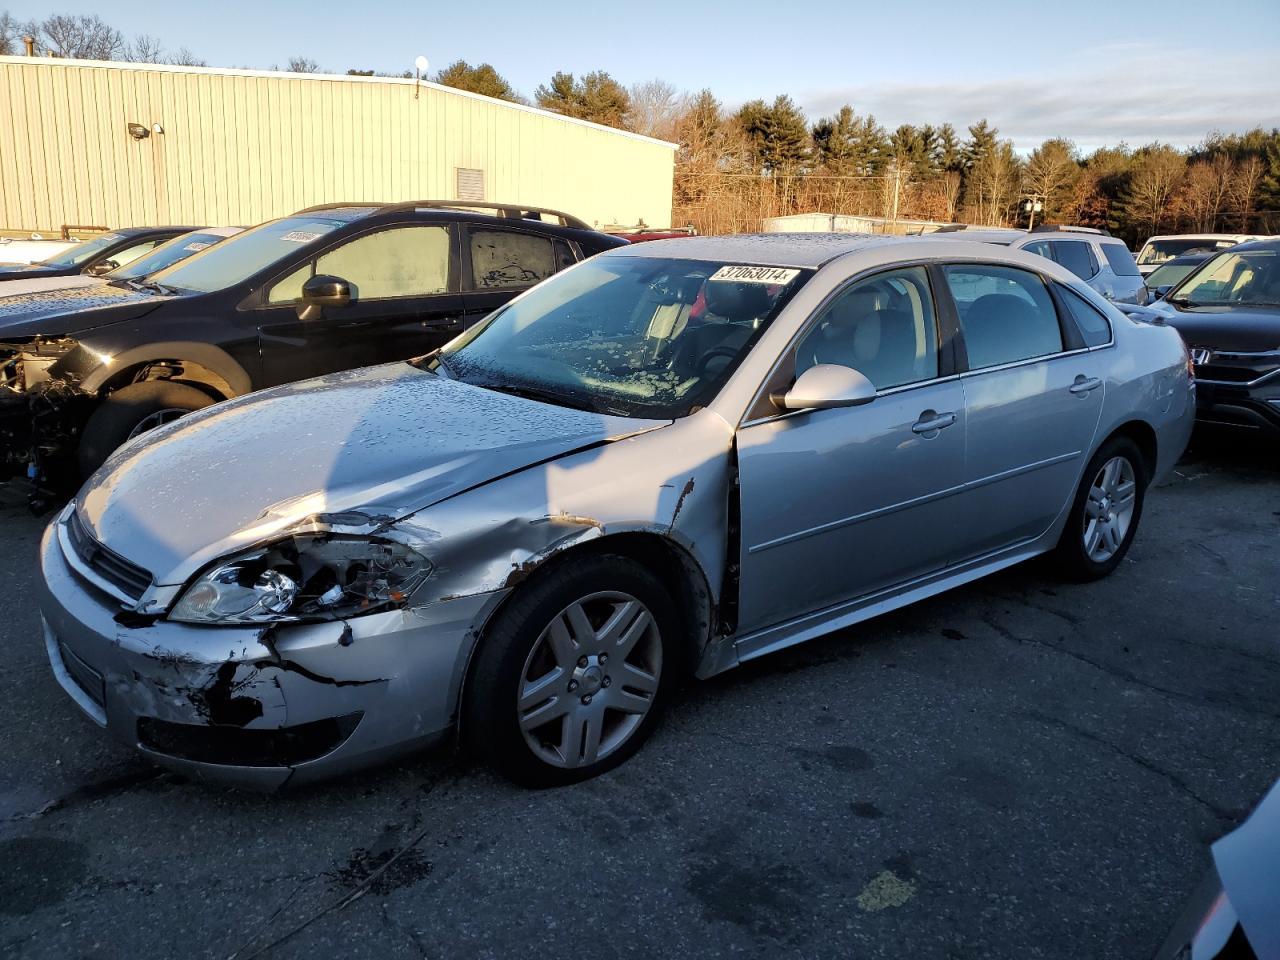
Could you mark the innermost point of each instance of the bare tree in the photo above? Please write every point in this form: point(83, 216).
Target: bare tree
point(144, 48)
point(1244, 190)
point(655, 107)
point(10, 35)
point(80, 36)
point(185, 58)
point(302, 65)
point(1157, 172)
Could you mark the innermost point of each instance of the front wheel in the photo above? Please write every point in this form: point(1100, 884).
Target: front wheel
point(130, 411)
point(569, 678)
point(1105, 513)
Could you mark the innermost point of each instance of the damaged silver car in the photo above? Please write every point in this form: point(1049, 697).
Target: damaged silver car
point(666, 460)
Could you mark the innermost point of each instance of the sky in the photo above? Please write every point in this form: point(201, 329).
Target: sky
point(1095, 72)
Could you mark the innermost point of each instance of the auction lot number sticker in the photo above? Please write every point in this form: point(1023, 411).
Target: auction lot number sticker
point(770, 275)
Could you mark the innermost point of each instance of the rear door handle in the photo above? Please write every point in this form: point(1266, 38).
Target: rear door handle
point(1084, 384)
point(931, 422)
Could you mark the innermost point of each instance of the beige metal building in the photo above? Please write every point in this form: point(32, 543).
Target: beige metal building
point(85, 142)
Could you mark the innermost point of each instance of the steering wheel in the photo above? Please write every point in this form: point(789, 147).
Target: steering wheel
point(729, 353)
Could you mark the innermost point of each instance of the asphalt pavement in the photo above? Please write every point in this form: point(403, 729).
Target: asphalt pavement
point(1020, 768)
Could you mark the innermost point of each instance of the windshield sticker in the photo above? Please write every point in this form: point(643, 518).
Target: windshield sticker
point(346, 214)
point(111, 237)
point(770, 275)
point(196, 245)
point(301, 236)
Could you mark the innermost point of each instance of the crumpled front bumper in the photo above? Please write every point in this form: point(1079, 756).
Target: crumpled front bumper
point(256, 706)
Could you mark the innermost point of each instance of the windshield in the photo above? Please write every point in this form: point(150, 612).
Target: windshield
point(1248, 278)
point(240, 257)
point(1171, 273)
point(633, 336)
point(1158, 251)
point(82, 252)
point(165, 255)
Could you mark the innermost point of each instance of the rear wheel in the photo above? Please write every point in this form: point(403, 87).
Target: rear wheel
point(1105, 513)
point(133, 410)
point(570, 676)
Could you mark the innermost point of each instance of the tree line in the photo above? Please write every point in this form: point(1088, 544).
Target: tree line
point(734, 168)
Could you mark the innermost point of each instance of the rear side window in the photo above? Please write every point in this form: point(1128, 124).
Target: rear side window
point(1121, 260)
point(1093, 325)
point(505, 258)
point(1006, 314)
point(1077, 256)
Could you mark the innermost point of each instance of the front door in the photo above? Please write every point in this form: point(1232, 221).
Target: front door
point(1033, 396)
point(841, 503)
point(404, 303)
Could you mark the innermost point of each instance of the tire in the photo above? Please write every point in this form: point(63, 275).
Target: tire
point(129, 408)
point(1088, 550)
point(591, 697)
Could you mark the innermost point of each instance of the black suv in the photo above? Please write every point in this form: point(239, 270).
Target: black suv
point(96, 256)
point(326, 289)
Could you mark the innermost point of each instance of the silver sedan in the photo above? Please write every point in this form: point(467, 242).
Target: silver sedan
point(669, 459)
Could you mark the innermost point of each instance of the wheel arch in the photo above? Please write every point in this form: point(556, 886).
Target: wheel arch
point(1143, 436)
point(203, 365)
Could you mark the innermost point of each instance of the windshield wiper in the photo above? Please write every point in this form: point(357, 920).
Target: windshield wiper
point(1184, 302)
point(541, 395)
point(154, 287)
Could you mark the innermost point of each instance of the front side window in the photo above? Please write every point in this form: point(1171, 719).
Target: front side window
point(129, 254)
point(505, 258)
point(883, 327)
point(401, 262)
point(1250, 278)
point(633, 336)
point(1006, 314)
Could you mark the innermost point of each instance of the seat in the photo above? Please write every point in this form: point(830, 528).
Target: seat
point(1001, 328)
point(880, 343)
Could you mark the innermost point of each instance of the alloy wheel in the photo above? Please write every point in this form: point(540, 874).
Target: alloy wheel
point(590, 679)
point(1108, 509)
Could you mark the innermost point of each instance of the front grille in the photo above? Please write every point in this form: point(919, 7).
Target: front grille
point(86, 678)
point(128, 577)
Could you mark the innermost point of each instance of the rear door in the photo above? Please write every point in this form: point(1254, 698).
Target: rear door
point(1032, 395)
point(500, 262)
point(405, 302)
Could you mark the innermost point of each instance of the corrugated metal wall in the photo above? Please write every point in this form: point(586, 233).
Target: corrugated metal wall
point(240, 147)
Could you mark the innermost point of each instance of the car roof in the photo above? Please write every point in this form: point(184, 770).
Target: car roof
point(1201, 236)
point(809, 250)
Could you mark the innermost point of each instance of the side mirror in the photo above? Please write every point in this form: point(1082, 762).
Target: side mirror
point(1160, 292)
point(825, 386)
point(101, 267)
point(322, 291)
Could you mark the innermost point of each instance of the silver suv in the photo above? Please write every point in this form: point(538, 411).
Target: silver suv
point(1099, 259)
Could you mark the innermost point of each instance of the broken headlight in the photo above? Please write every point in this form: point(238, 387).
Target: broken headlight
point(304, 578)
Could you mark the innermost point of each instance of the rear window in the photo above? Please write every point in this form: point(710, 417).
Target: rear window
point(1121, 260)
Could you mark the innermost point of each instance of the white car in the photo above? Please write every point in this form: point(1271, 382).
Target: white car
point(1165, 247)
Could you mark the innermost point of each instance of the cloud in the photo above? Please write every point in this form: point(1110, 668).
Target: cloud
point(1133, 92)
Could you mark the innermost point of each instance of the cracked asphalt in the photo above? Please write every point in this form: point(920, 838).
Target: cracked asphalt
point(1020, 768)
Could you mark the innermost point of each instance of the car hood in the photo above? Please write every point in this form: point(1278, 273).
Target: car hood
point(363, 448)
point(68, 311)
point(15, 271)
point(44, 284)
point(1229, 329)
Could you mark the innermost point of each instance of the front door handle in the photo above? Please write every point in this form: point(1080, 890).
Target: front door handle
point(1084, 384)
point(931, 422)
